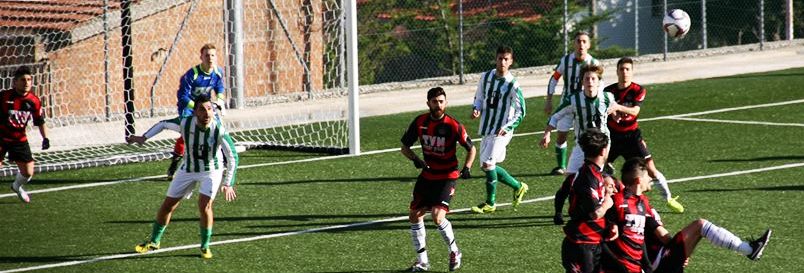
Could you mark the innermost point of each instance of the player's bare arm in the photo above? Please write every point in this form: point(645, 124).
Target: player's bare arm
point(409, 154)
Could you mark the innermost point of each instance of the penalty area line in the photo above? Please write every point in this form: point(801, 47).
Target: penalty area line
point(360, 224)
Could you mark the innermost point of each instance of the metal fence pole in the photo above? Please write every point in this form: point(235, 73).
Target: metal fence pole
point(789, 20)
point(236, 59)
point(352, 74)
point(108, 108)
point(564, 27)
point(703, 24)
point(664, 13)
point(460, 40)
point(761, 24)
point(636, 27)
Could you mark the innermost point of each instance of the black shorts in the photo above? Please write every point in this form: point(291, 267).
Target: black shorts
point(628, 145)
point(17, 152)
point(580, 258)
point(672, 256)
point(432, 193)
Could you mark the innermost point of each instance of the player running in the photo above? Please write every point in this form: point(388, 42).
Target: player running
point(626, 137)
point(438, 134)
point(18, 106)
point(202, 164)
point(568, 68)
point(501, 107)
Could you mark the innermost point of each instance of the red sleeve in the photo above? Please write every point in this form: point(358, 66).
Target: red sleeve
point(639, 97)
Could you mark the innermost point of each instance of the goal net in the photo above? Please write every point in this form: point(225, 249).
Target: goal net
point(107, 69)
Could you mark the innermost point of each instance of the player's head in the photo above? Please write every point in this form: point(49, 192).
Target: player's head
point(594, 143)
point(581, 43)
point(23, 79)
point(635, 172)
point(208, 55)
point(592, 74)
point(625, 70)
point(203, 110)
point(505, 57)
point(437, 101)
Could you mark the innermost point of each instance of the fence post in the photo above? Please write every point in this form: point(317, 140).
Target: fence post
point(636, 27)
point(460, 40)
point(564, 27)
point(761, 24)
point(703, 24)
point(108, 100)
point(236, 66)
point(789, 20)
point(664, 13)
point(128, 66)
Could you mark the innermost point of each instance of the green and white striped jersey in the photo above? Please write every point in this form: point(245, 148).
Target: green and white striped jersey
point(586, 112)
point(500, 101)
point(569, 69)
point(206, 147)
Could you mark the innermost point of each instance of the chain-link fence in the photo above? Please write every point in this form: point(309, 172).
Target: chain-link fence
point(407, 40)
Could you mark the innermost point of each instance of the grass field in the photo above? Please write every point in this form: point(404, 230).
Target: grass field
point(317, 215)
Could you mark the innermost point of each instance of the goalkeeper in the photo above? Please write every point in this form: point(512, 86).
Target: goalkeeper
point(203, 164)
point(205, 79)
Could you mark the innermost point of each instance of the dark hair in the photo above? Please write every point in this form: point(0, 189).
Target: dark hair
point(625, 60)
point(435, 92)
point(505, 50)
point(22, 71)
point(592, 142)
point(200, 100)
point(579, 33)
point(632, 169)
point(592, 68)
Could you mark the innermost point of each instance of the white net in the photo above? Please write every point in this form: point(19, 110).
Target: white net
point(293, 91)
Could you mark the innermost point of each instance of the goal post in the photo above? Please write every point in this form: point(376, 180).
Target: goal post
point(289, 68)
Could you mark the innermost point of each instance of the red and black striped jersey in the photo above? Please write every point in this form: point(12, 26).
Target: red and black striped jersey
point(15, 112)
point(630, 213)
point(438, 139)
point(586, 194)
point(653, 243)
point(633, 95)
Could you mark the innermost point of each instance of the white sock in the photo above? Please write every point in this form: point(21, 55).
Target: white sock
point(723, 238)
point(449, 237)
point(663, 184)
point(562, 145)
point(21, 180)
point(419, 244)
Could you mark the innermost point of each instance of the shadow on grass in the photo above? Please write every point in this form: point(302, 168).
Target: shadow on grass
point(50, 259)
point(748, 76)
point(400, 179)
point(301, 218)
point(765, 158)
point(771, 188)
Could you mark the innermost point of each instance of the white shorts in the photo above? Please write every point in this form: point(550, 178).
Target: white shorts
point(183, 183)
point(565, 124)
point(492, 148)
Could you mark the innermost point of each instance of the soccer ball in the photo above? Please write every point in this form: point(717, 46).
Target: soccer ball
point(676, 23)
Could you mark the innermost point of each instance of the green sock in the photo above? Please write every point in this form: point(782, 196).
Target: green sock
point(507, 179)
point(206, 236)
point(491, 187)
point(561, 156)
point(156, 232)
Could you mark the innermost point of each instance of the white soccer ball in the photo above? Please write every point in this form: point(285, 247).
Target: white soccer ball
point(676, 23)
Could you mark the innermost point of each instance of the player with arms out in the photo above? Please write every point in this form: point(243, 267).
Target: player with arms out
point(569, 68)
point(501, 107)
point(202, 164)
point(205, 79)
point(439, 135)
point(18, 106)
point(626, 137)
point(588, 109)
point(590, 198)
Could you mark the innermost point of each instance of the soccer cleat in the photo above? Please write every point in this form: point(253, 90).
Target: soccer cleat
point(759, 245)
point(483, 208)
point(23, 196)
point(454, 260)
point(206, 253)
point(558, 219)
point(174, 164)
point(558, 171)
point(518, 194)
point(146, 247)
point(419, 267)
point(674, 205)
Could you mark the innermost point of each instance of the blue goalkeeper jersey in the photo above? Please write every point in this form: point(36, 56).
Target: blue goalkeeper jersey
point(196, 83)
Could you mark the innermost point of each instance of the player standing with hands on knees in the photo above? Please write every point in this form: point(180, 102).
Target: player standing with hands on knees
point(438, 134)
point(18, 106)
point(202, 164)
point(501, 107)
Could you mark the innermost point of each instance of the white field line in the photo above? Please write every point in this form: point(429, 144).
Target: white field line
point(87, 185)
point(741, 122)
point(353, 225)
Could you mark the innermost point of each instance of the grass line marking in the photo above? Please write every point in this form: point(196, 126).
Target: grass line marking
point(741, 122)
point(97, 184)
point(360, 224)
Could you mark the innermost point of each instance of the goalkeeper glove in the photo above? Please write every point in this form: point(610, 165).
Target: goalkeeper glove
point(419, 163)
point(465, 174)
point(45, 144)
